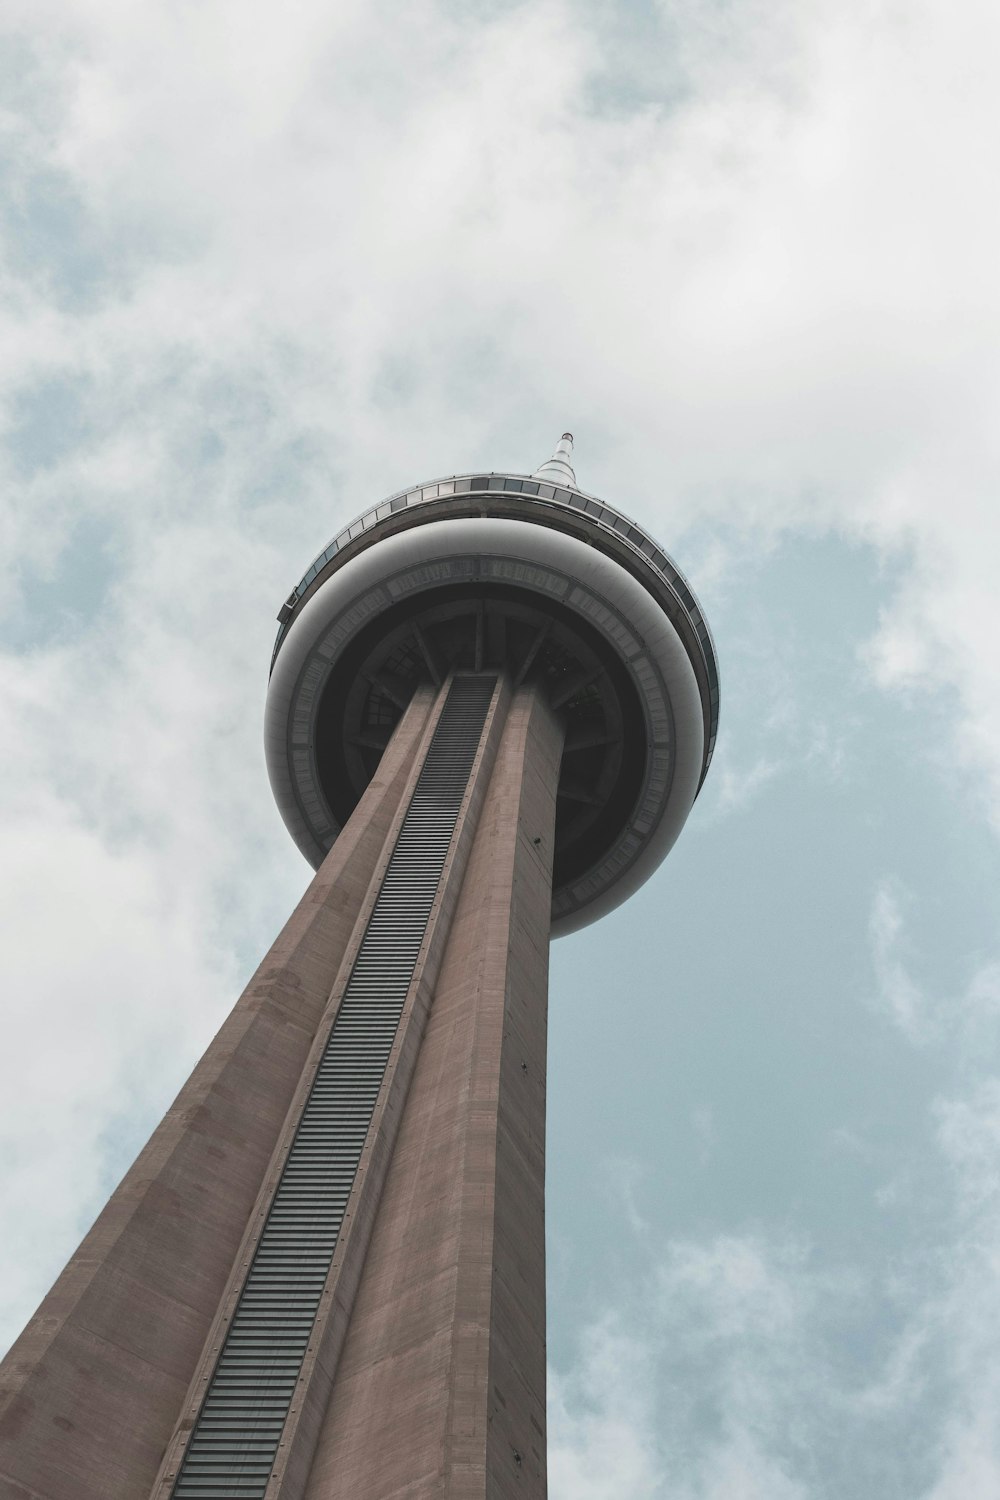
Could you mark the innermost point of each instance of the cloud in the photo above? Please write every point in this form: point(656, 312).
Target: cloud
point(682, 1391)
point(966, 1320)
point(602, 1420)
point(733, 1367)
point(107, 990)
point(967, 1021)
point(764, 1362)
point(898, 992)
point(738, 787)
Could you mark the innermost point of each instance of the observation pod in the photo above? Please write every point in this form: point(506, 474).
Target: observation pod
point(524, 574)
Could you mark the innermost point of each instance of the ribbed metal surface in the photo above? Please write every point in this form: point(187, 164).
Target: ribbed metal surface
point(235, 1439)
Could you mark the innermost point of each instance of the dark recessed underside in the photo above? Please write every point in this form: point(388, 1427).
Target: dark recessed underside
point(604, 759)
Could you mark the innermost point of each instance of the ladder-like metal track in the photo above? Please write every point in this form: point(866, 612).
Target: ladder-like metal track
point(235, 1438)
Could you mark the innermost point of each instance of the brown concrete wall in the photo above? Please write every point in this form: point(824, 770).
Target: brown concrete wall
point(91, 1391)
point(305, 1423)
point(313, 1388)
point(440, 1390)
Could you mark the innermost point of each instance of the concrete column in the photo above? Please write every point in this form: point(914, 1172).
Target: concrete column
point(440, 1389)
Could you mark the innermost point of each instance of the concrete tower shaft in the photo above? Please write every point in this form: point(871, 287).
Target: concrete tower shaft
point(491, 706)
point(332, 1247)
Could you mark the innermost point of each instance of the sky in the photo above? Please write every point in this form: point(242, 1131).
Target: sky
point(262, 265)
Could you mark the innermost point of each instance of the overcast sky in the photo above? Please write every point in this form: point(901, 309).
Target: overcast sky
point(263, 264)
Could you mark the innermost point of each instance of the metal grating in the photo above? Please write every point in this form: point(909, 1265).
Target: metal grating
point(235, 1439)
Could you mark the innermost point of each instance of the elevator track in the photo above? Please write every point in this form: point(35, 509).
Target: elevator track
point(235, 1438)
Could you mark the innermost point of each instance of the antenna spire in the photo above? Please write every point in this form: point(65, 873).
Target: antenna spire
point(559, 468)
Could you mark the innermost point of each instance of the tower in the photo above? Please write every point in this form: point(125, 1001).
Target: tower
point(492, 702)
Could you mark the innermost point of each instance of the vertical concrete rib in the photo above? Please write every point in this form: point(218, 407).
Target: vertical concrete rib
point(90, 1392)
point(440, 1389)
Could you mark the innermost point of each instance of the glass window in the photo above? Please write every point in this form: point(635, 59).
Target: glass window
point(398, 502)
point(383, 511)
point(356, 529)
point(481, 482)
point(446, 489)
point(529, 487)
point(562, 495)
point(429, 491)
point(496, 483)
point(512, 484)
point(578, 501)
point(545, 492)
point(635, 536)
point(593, 509)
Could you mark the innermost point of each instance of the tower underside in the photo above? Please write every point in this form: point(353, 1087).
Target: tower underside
point(324, 1276)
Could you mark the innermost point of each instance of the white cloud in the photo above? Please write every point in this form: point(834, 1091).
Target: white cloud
point(107, 989)
point(733, 1368)
point(602, 1421)
point(967, 1317)
point(898, 991)
point(758, 1364)
point(738, 786)
point(689, 1382)
point(968, 1020)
